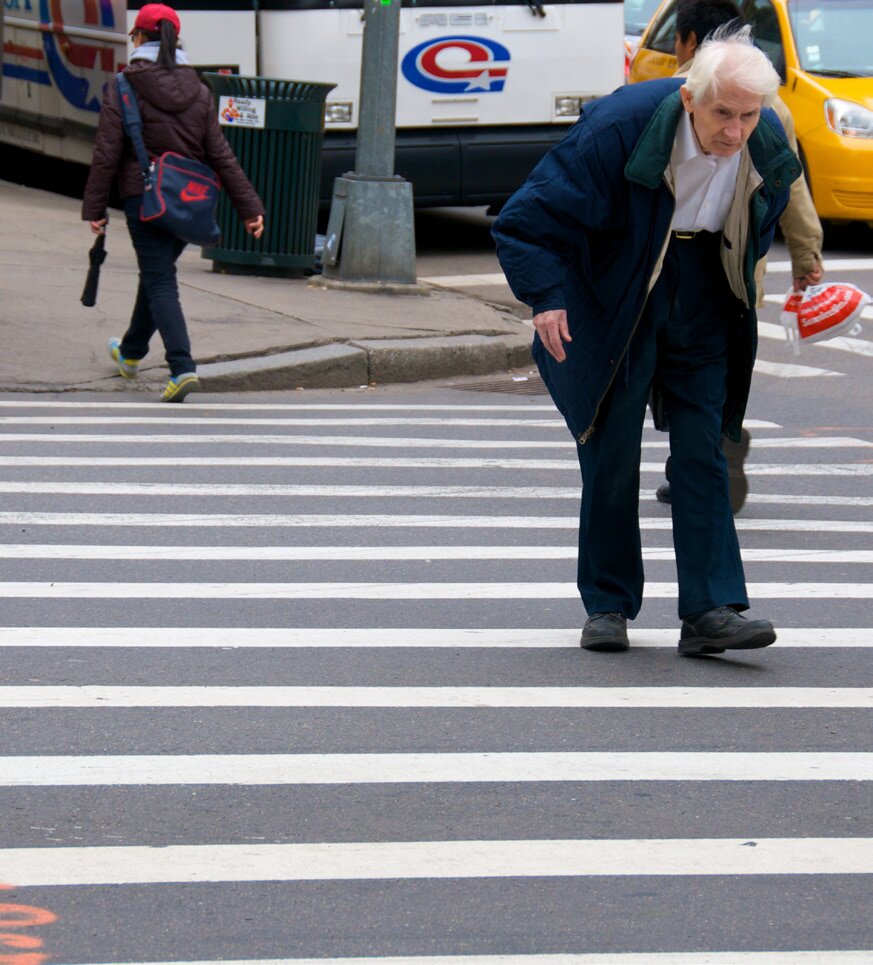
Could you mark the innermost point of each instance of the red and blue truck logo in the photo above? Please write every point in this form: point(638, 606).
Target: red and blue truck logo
point(457, 65)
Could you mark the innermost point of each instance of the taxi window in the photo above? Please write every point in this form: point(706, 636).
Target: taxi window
point(662, 36)
point(833, 36)
point(765, 29)
point(637, 14)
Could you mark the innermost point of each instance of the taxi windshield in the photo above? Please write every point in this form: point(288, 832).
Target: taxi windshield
point(637, 14)
point(834, 37)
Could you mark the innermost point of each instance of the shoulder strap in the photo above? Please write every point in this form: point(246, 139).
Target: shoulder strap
point(132, 121)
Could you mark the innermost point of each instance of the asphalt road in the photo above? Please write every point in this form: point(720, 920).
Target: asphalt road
point(298, 677)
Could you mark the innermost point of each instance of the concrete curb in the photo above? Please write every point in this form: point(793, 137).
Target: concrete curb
point(420, 359)
point(333, 366)
point(336, 365)
point(369, 361)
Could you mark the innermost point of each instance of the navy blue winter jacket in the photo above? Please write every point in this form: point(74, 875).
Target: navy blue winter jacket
point(585, 231)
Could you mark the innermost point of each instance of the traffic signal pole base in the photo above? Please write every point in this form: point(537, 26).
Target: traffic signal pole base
point(370, 239)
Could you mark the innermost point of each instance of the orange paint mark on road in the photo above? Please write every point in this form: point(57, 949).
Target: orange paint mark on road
point(22, 916)
point(25, 916)
point(14, 940)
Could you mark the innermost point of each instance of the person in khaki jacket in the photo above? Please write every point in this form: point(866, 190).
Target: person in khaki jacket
point(800, 224)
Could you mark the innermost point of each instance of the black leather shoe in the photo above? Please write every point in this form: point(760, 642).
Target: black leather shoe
point(662, 493)
point(606, 632)
point(735, 453)
point(723, 629)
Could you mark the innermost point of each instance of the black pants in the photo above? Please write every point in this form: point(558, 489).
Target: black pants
point(157, 306)
point(682, 342)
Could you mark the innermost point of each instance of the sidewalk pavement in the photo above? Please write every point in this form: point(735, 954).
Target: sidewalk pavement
point(247, 333)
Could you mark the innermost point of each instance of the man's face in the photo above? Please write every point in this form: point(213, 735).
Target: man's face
point(684, 49)
point(725, 123)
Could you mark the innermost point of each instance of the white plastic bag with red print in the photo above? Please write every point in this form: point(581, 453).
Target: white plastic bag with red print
point(822, 311)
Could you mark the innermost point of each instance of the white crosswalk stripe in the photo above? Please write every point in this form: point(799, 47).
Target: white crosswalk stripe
point(390, 591)
point(76, 551)
point(830, 957)
point(446, 697)
point(437, 859)
point(104, 771)
point(380, 705)
point(406, 637)
point(405, 521)
point(400, 442)
point(402, 462)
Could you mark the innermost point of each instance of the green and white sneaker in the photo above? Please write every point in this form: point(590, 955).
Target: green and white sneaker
point(126, 367)
point(179, 386)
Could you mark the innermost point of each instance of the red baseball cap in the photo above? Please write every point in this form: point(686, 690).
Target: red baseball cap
point(150, 16)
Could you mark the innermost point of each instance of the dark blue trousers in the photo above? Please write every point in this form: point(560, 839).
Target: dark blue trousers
point(157, 306)
point(681, 343)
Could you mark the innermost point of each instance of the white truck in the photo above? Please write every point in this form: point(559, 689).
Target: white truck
point(483, 90)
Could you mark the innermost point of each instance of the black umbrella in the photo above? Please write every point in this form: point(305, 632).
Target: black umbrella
point(96, 257)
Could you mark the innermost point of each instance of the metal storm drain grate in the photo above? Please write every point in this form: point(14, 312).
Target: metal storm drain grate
point(508, 384)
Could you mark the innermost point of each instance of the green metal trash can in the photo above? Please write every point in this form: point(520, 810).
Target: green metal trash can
point(276, 130)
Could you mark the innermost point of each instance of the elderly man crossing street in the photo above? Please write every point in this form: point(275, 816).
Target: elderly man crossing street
point(635, 242)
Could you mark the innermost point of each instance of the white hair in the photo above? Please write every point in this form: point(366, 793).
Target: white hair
point(728, 58)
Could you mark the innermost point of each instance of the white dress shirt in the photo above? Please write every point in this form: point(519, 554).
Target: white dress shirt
point(704, 183)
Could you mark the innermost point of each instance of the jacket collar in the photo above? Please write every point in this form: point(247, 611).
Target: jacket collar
point(151, 48)
point(771, 156)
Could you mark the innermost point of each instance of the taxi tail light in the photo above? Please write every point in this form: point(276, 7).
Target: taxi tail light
point(848, 119)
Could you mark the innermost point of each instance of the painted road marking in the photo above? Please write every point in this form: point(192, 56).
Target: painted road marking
point(345, 422)
point(362, 554)
point(402, 442)
point(403, 462)
point(390, 591)
point(829, 957)
point(350, 408)
point(406, 521)
point(466, 281)
point(364, 491)
point(783, 499)
point(406, 638)
point(841, 342)
point(98, 696)
point(788, 370)
point(833, 264)
point(348, 421)
point(429, 768)
point(498, 278)
point(403, 860)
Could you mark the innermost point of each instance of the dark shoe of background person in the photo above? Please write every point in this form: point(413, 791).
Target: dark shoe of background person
point(605, 632)
point(735, 453)
point(715, 631)
point(662, 493)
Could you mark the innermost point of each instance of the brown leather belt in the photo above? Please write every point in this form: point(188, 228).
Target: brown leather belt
point(691, 235)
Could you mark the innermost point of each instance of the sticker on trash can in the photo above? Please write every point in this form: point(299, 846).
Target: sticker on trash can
point(242, 111)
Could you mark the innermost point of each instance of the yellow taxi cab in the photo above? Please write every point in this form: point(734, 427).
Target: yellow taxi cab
point(823, 51)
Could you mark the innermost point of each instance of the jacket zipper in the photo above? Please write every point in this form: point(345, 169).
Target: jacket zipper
point(589, 432)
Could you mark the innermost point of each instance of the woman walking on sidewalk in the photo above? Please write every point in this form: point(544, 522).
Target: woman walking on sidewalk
point(178, 114)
